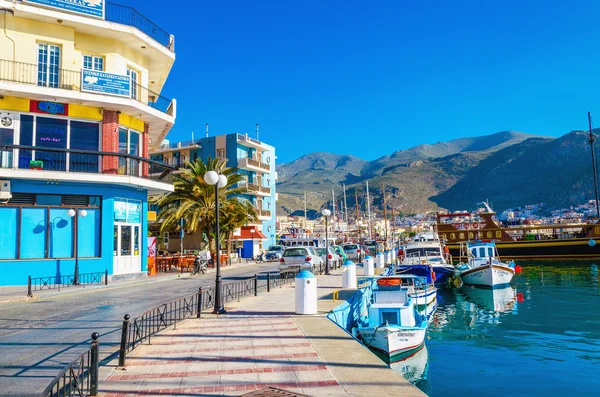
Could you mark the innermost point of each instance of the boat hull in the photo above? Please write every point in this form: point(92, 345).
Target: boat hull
point(424, 297)
point(442, 274)
point(576, 248)
point(488, 275)
point(393, 342)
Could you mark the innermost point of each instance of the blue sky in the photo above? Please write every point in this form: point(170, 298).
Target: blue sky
point(370, 77)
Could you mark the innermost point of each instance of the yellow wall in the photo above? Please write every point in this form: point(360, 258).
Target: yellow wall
point(28, 33)
point(14, 104)
point(131, 122)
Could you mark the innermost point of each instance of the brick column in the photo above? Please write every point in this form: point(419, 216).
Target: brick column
point(110, 141)
point(145, 144)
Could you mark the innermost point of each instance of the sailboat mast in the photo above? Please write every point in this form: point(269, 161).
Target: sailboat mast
point(591, 140)
point(384, 214)
point(333, 202)
point(346, 211)
point(304, 210)
point(369, 211)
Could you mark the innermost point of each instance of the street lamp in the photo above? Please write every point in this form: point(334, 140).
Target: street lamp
point(73, 214)
point(252, 231)
point(218, 181)
point(326, 214)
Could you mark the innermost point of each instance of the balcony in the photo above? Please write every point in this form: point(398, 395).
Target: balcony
point(253, 165)
point(25, 73)
point(249, 142)
point(165, 147)
point(43, 163)
point(131, 17)
point(263, 215)
point(256, 189)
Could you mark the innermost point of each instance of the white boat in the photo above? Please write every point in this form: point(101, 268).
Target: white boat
point(483, 266)
point(498, 300)
point(395, 326)
point(414, 366)
point(418, 279)
point(426, 248)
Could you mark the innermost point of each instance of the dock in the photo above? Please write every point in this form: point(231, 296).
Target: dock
point(259, 344)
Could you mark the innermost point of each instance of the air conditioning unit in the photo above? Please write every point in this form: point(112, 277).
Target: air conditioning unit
point(5, 190)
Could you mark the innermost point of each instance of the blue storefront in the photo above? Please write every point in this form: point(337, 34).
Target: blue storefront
point(39, 237)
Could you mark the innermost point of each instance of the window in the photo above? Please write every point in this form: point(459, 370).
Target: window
point(125, 240)
point(452, 236)
point(461, 236)
point(490, 252)
point(51, 133)
point(134, 82)
point(489, 234)
point(471, 235)
point(93, 62)
point(390, 318)
point(129, 143)
point(6, 156)
point(84, 136)
point(221, 153)
point(48, 65)
point(481, 252)
point(498, 234)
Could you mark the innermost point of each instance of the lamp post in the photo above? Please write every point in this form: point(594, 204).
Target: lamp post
point(218, 181)
point(75, 214)
point(326, 214)
point(252, 231)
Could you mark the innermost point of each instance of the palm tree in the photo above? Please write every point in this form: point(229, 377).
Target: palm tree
point(194, 201)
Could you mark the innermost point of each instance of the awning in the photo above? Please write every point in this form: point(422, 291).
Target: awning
point(245, 234)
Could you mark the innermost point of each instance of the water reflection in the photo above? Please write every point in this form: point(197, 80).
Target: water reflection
point(415, 367)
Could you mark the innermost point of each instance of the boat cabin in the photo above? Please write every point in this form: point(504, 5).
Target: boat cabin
point(422, 252)
point(480, 252)
point(391, 304)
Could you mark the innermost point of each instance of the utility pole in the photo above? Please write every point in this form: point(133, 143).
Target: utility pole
point(384, 214)
point(369, 211)
point(591, 140)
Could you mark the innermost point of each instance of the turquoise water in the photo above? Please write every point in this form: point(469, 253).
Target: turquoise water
point(539, 337)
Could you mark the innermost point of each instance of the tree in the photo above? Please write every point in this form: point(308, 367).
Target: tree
point(194, 201)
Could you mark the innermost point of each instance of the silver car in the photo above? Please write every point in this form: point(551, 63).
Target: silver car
point(334, 258)
point(353, 251)
point(299, 257)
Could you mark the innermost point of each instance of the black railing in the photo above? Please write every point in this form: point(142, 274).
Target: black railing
point(83, 161)
point(26, 73)
point(140, 329)
point(131, 17)
point(80, 378)
point(64, 281)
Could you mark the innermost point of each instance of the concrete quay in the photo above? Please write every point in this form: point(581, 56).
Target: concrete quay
point(259, 343)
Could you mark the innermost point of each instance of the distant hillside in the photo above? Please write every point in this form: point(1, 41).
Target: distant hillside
point(411, 176)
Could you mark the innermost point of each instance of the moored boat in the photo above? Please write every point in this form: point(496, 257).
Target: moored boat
point(426, 248)
point(395, 326)
point(483, 265)
point(418, 279)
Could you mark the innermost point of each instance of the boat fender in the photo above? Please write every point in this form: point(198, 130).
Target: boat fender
point(518, 269)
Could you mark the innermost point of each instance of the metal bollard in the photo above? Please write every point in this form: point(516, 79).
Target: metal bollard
point(124, 341)
point(199, 303)
point(29, 292)
point(268, 281)
point(255, 285)
point(106, 277)
point(94, 365)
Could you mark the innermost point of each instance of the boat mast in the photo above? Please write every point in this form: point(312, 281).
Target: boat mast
point(304, 226)
point(346, 211)
point(369, 211)
point(333, 204)
point(384, 214)
point(591, 141)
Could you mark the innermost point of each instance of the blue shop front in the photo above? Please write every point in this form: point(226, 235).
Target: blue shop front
point(46, 223)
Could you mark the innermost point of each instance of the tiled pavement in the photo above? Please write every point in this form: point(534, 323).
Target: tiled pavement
point(259, 342)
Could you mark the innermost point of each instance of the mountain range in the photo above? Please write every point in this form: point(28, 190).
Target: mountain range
point(507, 168)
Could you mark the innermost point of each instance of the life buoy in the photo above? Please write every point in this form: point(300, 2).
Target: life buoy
point(446, 250)
point(433, 277)
point(476, 226)
point(318, 234)
point(294, 236)
point(388, 282)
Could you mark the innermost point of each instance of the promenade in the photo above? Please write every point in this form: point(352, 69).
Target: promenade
point(259, 343)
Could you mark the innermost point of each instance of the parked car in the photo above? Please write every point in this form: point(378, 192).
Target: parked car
point(302, 257)
point(374, 247)
point(274, 253)
point(353, 252)
point(334, 258)
point(341, 253)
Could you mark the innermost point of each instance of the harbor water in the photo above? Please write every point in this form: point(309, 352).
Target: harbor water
point(538, 337)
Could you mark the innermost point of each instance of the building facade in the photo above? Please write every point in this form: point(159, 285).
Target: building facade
point(80, 109)
point(254, 159)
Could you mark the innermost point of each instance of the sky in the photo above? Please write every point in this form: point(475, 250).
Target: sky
point(370, 77)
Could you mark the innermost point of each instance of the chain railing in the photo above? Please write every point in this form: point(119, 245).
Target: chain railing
point(64, 281)
point(80, 377)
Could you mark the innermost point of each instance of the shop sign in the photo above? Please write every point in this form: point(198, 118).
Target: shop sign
point(120, 210)
point(55, 108)
point(7, 120)
point(92, 8)
point(105, 83)
point(134, 210)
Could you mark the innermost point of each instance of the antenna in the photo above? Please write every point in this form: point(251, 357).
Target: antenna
point(257, 132)
point(207, 130)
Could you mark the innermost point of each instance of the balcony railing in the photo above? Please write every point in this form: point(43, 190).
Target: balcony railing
point(26, 73)
point(83, 161)
point(131, 17)
point(177, 145)
point(265, 213)
point(256, 188)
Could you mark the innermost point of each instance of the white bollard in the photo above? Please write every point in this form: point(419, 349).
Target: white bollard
point(394, 255)
point(349, 275)
point(368, 267)
point(380, 260)
point(306, 293)
point(387, 257)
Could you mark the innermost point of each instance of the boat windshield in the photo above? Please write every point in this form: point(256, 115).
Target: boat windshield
point(423, 251)
point(483, 252)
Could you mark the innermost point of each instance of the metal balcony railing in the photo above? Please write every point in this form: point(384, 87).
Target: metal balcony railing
point(261, 212)
point(25, 73)
point(83, 161)
point(131, 17)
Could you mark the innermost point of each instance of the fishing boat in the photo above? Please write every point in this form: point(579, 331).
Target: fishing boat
point(483, 265)
point(418, 279)
point(426, 248)
point(527, 241)
point(395, 326)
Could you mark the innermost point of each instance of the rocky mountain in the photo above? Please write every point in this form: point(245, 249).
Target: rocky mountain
point(508, 168)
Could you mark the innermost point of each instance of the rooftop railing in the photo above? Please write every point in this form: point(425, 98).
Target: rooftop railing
point(131, 17)
point(25, 73)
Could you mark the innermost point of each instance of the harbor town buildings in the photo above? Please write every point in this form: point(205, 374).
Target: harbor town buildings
point(80, 109)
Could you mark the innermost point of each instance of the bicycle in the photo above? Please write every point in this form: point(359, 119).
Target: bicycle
point(259, 258)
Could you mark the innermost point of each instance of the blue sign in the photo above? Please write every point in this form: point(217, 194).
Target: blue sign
point(105, 83)
point(94, 8)
point(134, 211)
point(120, 210)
